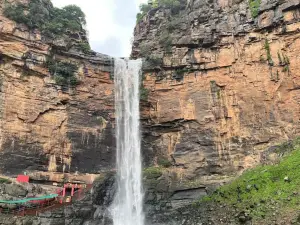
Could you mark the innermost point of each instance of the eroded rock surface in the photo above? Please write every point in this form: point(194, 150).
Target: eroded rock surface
point(227, 86)
point(46, 127)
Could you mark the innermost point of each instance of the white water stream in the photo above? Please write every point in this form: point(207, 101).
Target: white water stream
point(127, 208)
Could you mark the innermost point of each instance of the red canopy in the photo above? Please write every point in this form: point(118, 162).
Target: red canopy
point(23, 179)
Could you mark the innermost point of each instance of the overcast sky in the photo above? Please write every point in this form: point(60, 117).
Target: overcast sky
point(110, 23)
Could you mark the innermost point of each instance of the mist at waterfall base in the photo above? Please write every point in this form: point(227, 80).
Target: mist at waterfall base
point(127, 207)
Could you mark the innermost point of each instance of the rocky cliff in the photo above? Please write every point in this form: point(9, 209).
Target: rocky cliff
point(223, 84)
point(49, 126)
point(220, 86)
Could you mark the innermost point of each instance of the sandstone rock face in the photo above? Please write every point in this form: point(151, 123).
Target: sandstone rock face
point(46, 127)
point(227, 87)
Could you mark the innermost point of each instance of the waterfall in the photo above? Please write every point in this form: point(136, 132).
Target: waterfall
point(127, 207)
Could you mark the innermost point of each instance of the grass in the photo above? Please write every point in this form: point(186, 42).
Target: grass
point(4, 181)
point(268, 52)
point(164, 162)
point(152, 172)
point(259, 188)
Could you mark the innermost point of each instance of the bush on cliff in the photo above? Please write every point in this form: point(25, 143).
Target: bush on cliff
point(258, 188)
point(254, 7)
point(144, 93)
point(63, 72)
point(174, 5)
point(152, 172)
point(51, 21)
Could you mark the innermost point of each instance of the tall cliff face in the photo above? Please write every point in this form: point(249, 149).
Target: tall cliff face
point(46, 127)
point(227, 87)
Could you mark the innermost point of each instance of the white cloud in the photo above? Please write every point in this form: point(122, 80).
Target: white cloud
point(110, 23)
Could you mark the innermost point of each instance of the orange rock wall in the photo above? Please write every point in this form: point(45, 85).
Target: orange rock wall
point(45, 127)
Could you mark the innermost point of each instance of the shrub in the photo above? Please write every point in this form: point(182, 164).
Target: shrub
point(84, 47)
point(166, 41)
point(174, 5)
point(164, 162)
point(279, 58)
point(144, 93)
point(174, 23)
point(51, 21)
point(63, 72)
point(139, 17)
point(268, 51)
point(152, 172)
point(144, 9)
point(254, 7)
point(286, 60)
point(154, 61)
point(145, 49)
point(179, 74)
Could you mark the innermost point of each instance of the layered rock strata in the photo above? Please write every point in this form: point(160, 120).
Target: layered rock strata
point(223, 84)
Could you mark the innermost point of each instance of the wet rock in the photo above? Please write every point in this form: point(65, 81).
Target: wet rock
point(15, 190)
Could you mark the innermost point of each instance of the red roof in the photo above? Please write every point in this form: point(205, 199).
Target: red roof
point(23, 179)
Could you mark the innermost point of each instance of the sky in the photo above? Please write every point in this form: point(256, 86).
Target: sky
point(110, 23)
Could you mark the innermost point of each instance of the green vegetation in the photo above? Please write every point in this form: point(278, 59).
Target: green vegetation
point(286, 64)
point(174, 5)
point(154, 61)
point(256, 189)
point(165, 41)
point(277, 75)
point(51, 21)
point(164, 162)
point(145, 49)
point(84, 47)
point(144, 93)
point(62, 72)
point(179, 74)
point(144, 9)
point(279, 58)
point(268, 51)
point(152, 172)
point(254, 7)
point(174, 23)
point(4, 181)
point(286, 68)
point(262, 59)
point(284, 61)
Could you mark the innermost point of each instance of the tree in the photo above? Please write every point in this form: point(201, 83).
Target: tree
point(74, 13)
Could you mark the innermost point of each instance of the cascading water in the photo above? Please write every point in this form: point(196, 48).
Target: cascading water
point(127, 208)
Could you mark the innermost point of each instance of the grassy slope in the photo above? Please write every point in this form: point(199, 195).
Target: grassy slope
point(266, 189)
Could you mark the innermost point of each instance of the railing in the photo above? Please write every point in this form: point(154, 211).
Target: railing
point(58, 202)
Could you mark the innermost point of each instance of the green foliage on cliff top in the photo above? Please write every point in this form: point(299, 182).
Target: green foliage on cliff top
point(51, 21)
point(84, 47)
point(174, 5)
point(277, 185)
